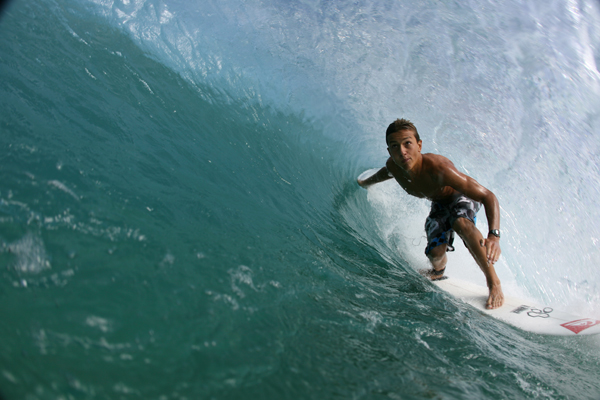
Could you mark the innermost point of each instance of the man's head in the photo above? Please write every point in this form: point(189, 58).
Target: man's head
point(404, 144)
point(401, 125)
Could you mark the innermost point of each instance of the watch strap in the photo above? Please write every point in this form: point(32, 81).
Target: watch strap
point(495, 232)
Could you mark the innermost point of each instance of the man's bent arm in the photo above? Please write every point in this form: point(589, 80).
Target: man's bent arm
point(474, 190)
point(379, 176)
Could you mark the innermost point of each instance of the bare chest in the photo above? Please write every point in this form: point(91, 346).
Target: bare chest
point(424, 184)
point(420, 187)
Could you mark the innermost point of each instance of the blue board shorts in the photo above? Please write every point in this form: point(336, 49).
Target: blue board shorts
point(439, 222)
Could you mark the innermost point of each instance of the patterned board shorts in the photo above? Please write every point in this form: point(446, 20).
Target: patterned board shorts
point(439, 222)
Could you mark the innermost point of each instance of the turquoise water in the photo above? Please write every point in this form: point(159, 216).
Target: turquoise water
point(179, 217)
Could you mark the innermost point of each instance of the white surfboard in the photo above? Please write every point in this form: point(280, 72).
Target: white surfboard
point(368, 173)
point(522, 313)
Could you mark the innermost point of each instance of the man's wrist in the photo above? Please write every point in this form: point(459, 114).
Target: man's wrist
point(494, 233)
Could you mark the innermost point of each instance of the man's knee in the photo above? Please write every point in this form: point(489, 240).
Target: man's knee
point(468, 232)
point(463, 226)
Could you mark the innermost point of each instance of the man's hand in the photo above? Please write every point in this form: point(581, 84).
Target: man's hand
point(492, 246)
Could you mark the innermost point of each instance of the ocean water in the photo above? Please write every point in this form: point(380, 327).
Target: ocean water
point(179, 216)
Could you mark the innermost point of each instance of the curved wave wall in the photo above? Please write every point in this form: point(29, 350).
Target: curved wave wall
point(179, 216)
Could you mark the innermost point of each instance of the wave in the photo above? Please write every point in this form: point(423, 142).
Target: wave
point(503, 90)
point(178, 195)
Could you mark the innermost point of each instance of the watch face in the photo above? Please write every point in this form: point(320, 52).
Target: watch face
point(495, 232)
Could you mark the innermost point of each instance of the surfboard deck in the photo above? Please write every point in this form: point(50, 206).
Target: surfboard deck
point(521, 313)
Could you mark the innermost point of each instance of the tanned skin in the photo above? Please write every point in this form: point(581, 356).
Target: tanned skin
point(434, 177)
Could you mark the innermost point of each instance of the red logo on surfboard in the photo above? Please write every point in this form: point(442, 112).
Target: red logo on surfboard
point(580, 324)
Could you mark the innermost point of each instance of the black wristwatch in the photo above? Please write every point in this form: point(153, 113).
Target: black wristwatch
point(495, 232)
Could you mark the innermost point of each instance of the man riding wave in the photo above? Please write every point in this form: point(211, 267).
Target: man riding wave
point(455, 198)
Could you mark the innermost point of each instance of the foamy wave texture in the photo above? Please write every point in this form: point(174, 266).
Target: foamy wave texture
point(30, 254)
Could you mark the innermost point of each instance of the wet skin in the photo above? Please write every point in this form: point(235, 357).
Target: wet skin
point(434, 177)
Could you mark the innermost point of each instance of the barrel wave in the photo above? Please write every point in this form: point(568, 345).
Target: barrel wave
point(179, 213)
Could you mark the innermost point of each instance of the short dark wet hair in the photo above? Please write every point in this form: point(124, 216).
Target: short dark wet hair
point(401, 125)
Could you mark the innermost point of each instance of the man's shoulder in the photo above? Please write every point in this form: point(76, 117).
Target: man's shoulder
point(438, 167)
point(436, 161)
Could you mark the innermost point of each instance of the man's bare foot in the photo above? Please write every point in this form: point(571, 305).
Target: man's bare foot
point(436, 274)
point(496, 297)
point(433, 274)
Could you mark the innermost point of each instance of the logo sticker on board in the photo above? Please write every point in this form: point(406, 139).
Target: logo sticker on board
point(537, 313)
point(520, 309)
point(580, 324)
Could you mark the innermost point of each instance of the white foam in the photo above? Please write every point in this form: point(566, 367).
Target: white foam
point(30, 254)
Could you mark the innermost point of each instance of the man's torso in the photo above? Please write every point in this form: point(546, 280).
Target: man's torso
point(428, 182)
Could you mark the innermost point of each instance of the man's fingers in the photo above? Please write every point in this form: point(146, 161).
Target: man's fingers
point(490, 252)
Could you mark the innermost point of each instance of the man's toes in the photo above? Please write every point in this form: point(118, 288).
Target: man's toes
point(494, 303)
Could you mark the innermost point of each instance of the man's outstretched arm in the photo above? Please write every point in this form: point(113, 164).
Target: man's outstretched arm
point(379, 176)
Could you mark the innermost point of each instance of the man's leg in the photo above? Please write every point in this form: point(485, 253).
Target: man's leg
point(437, 257)
point(473, 239)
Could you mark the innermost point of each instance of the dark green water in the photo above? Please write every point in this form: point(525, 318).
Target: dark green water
point(192, 229)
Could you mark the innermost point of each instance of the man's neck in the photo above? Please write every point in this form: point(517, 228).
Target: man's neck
point(415, 171)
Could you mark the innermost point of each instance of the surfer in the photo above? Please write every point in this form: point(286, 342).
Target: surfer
point(455, 198)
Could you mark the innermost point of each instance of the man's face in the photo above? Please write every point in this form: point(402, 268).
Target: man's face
point(404, 148)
